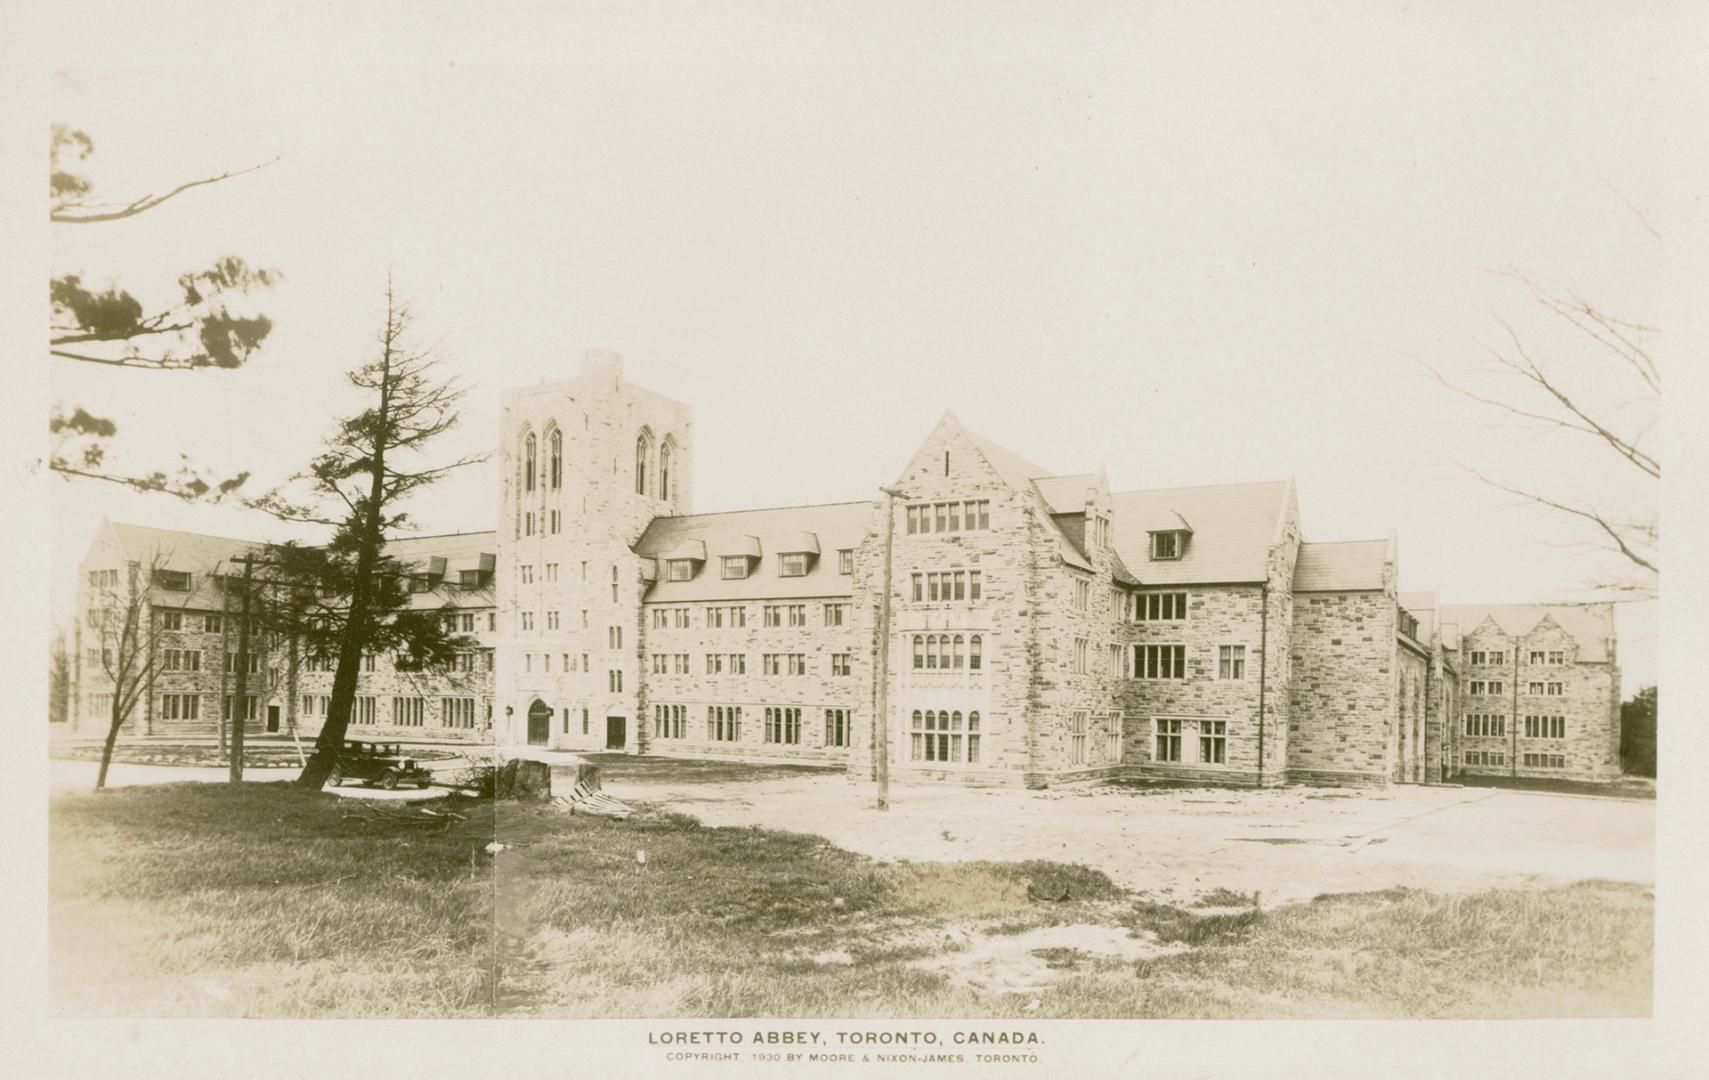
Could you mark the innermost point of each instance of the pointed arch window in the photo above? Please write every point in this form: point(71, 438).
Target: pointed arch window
point(667, 451)
point(643, 449)
point(530, 453)
point(555, 458)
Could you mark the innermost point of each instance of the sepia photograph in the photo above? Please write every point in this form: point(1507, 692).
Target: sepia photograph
point(844, 536)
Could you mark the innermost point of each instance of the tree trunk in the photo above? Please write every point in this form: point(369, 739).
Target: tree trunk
point(117, 722)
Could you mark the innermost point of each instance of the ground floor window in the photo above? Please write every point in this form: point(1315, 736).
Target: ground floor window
point(362, 710)
point(724, 723)
point(1077, 738)
point(181, 706)
point(1213, 742)
point(783, 725)
point(939, 735)
point(1168, 740)
point(1485, 757)
point(836, 727)
point(457, 712)
point(408, 711)
point(249, 707)
point(1544, 761)
point(670, 721)
point(1113, 739)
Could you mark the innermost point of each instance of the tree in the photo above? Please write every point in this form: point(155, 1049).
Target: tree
point(121, 622)
point(347, 598)
point(1601, 388)
point(109, 326)
point(1638, 733)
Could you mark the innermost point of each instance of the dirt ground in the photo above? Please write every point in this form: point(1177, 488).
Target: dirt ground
point(1286, 844)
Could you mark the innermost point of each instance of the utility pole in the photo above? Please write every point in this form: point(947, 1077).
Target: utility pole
point(881, 722)
point(240, 696)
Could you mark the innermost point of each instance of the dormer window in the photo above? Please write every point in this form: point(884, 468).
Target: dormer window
point(1167, 545)
point(681, 569)
point(734, 567)
point(175, 580)
point(793, 564)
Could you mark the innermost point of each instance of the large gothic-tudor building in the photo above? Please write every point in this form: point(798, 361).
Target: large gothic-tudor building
point(1042, 627)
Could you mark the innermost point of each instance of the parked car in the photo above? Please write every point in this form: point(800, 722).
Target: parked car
point(378, 763)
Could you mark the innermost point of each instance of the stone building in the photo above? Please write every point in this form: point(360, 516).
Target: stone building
point(189, 619)
point(1043, 628)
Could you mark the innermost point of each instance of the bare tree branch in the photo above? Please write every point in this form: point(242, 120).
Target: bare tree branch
point(61, 213)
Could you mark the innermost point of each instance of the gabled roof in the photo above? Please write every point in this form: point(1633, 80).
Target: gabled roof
point(1590, 625)
point(1342, 566)
point(1022, 475)
point(1234, 526)
point(767, 533)
point(1064, 494)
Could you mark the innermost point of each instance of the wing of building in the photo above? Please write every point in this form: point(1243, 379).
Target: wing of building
point(1042, 628)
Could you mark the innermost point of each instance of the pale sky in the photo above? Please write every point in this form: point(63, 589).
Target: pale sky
point(1194, 243)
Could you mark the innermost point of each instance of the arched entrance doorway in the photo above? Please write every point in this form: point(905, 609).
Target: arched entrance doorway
point(539, 723)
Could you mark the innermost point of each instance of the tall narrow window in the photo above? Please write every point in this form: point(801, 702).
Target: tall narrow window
point(666, 452)
point(555, 450)
point(643, 446)
point(530, 451)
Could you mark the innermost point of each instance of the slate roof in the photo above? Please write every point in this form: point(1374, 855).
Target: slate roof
point(1023, 475)
point(1065, 494)
point(1233, 528)
point(1591, 625)
point(1343, 566)
point(203, 556)
point(834, 525)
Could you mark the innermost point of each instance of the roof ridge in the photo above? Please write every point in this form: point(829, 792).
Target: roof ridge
point(1201, 487)
point(185, 532)
point(761, 510)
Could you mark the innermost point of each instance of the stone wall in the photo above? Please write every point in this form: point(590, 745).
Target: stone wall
point(1345, 682)
point(1588, 700)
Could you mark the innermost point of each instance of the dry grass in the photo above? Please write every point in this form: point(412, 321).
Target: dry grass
point(267, 901)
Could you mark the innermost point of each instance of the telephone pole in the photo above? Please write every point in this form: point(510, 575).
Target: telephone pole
point(881, 722)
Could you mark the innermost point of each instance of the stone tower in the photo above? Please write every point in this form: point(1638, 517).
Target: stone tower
point(585, 465)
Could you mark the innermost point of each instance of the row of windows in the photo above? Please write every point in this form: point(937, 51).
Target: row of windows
point(211, 622)
point(1151, 607)
point(1212, 742)
point(783, 725)
point(737, 567)
point(939, 736)
point(1485, 757)
point(961, 516)
point(189, 706)
point(1545, 727)
point(946, 585)
point(103, 578)
point(1543, 761)
point(944, 652)
point(1486, 724)
point(1535, 658)
point(1534, 688)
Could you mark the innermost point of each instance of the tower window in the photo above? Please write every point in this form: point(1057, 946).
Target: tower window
point(529, 453)
point(556, 461)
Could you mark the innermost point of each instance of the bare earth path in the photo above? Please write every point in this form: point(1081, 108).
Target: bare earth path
point(1289, 844)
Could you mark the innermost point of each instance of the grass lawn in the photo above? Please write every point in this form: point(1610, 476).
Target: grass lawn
point(268, 901)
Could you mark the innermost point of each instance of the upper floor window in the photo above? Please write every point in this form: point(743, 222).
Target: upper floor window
point(679, 569)
point(555, 459)
point(1167, 545)
point(1160, 607)
point(666, 453)
point(1231, 662)
point(1082, 594)
point(530, 452)
point(176, 580)
point(793, 564)
point(734, 566)
point(961, 516)
point(845, 561)
point(643, 449)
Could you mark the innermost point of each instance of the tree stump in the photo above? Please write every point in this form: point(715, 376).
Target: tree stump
point(524, 780)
